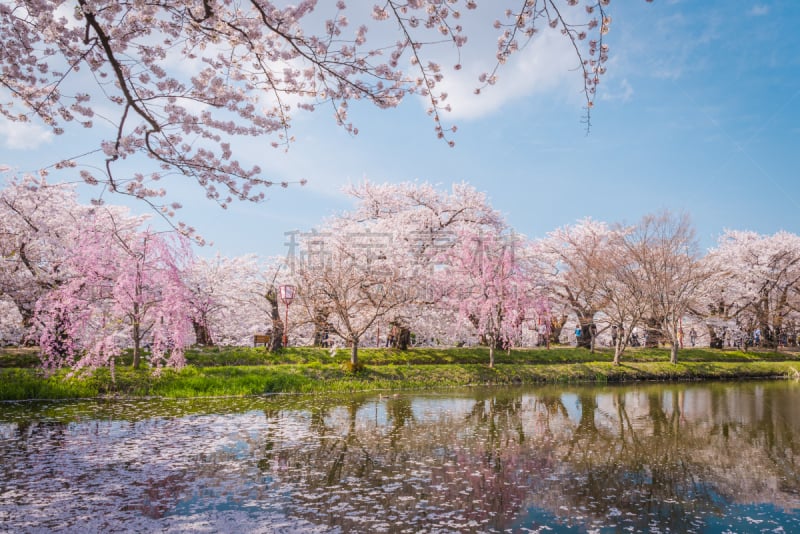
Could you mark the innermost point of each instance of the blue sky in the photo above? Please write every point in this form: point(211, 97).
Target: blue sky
point(698, 112)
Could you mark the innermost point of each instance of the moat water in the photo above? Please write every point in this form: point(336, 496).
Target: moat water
point(707, 457)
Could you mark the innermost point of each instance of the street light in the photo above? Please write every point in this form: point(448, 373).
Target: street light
point(287, 295)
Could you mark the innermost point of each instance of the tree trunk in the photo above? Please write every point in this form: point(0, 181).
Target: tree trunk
point(715, 342)
point(769, 337)
point(587, 326)
point(354, 353)
point(276, 339)
point(491, 354)
point(617, 351)
point(778, 329)
point(399, 336)
point(201, 334)
point(321, 335)
point(404, 338)
point(654, 335)
point(556, 326)
point(673, 353)
point(276, 342)
point(27, 316)
point(137, 317)
point(763, 321)
point(136, 341)
point(322, 328)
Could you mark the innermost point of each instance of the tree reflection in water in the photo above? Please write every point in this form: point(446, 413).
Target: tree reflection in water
point(709, 457)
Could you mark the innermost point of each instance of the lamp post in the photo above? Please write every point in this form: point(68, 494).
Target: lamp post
point(287, 295)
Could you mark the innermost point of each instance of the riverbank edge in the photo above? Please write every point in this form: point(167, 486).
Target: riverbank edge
point(191, 382)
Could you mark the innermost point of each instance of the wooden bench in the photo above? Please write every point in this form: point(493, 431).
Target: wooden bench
point(263, 339)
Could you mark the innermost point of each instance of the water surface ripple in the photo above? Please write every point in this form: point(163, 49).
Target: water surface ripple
point(717, 457)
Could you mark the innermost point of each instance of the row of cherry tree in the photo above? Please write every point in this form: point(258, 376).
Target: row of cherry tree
point(84, 282)
point(449, 268)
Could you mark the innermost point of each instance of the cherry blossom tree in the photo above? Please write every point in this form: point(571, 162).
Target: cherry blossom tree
point(424, 211)
point(572, 262)
point(416, 231)
point(487, 285)
point(422, 223)
point(124, 290)
point(38, 225)
point(352, 279)
point(624, 294)
point(229, 298)
point(671, 276)
point(178, 82)
point(758, 278)
point(715, 307)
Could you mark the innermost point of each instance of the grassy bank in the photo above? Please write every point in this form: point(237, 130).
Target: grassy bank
point(246, 371)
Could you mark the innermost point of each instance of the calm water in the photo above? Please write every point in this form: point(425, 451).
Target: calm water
point(660, 458)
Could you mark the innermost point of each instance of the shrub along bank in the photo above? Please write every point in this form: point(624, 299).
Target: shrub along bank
point(248, 371)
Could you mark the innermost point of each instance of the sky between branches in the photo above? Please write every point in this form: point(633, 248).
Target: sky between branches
point(698, 112)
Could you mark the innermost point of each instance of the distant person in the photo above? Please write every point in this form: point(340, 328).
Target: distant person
point(692, 337)
point(578, 335)
point(614, 334)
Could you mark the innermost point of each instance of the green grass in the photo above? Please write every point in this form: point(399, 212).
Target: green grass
point(244, 371)
point(248, 356)
point(22, 384)
point(464, 355)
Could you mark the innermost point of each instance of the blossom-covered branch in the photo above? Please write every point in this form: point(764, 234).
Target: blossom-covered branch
point(180, 81)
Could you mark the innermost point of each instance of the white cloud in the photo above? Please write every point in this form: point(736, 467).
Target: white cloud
point(548, 64)
point(758, 10)
point(23, 136)
point(623, 91)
